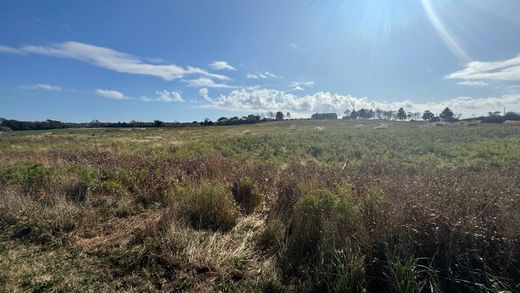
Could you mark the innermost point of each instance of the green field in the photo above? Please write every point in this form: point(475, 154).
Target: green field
point(273, 207)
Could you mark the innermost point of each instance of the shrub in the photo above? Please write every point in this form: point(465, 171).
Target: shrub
point(246, 194)
point(31, 177)
point(209, 207)
point(323, 240)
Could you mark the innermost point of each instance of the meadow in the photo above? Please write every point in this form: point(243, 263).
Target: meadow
point(292, 206)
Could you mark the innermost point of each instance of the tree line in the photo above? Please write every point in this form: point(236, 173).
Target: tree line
point(447, 115)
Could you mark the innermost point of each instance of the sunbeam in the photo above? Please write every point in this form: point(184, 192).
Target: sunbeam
point(443, 32)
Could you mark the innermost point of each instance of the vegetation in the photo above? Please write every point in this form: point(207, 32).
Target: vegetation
point(268, 207)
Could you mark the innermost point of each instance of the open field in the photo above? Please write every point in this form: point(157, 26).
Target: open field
point(272, 207)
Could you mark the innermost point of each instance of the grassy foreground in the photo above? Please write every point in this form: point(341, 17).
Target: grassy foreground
point(275, 207)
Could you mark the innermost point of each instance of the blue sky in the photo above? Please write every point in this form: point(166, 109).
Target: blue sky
point(188, 60)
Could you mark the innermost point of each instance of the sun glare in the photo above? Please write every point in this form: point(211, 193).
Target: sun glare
point(443, 31)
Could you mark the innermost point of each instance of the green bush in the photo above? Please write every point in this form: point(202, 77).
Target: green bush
point(324, 240)
point(31, 177)
point(246, 194)
point(208, 207)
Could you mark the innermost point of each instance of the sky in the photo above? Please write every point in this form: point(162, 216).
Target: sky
point(186, 60)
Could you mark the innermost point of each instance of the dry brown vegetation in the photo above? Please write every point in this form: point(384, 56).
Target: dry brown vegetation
point(85, 212)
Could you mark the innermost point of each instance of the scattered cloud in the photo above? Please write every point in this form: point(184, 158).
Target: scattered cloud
point(301, 85)
point(112, 94)
point(508, 70)
point(45, 87)
point(258, 99)
point(262, 75)
point(5, 49)
point(113, 60)
point(221, 65)
point(146, 99)
point(293, 45)
point(206, 82)
point(204, 92)
point(169, 96)
point(473, 83)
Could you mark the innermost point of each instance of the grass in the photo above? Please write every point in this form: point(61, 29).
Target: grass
point(262, 208)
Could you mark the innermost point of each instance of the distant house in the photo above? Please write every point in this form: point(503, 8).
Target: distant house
point(324, 116)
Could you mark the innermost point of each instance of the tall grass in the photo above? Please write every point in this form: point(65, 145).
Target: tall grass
point(407, 209)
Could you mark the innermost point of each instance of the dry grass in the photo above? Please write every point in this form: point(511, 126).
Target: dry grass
point(408, 209)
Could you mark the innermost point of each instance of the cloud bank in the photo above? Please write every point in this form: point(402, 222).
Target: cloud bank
point(257, 99)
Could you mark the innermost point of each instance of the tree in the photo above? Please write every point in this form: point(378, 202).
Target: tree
point(347, 113)
point(447, 115)
point(380, 114)
point(157, 123)
point(270, 115)
point(401, 114)
point(389, 115)
point(288, 115)
point(427, 116)
point(279, 115)
point(354, 114)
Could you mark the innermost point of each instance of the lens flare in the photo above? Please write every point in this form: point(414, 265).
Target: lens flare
point(443, 32)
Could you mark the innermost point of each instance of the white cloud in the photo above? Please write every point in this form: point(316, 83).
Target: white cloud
point(257, 99)
point(293, 45)
point(145, 99)
point(45, 87)
point(206, 82)
point(169, 96)
point(5, 49)
point(111, 94)
point(221, 65)
point(301, 85)
point(508, 70)
point(473, 83)
point(113, 60)
point(262, 75)
point(204, 92)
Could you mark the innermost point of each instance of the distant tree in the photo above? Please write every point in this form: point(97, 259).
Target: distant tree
point(370, 114)
point(347, 113)
point(95, 123)
point(363, 113)
point(512, 116)
point(206, 122)
point(447, 115)
point(427, 116)
point(288, 115)
point(157, 123)
point(354, 114)
point(251, 118)
point(380, 114)
point(401, 114)
point(389, 115)
point(279, 115)
point(270, 115)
